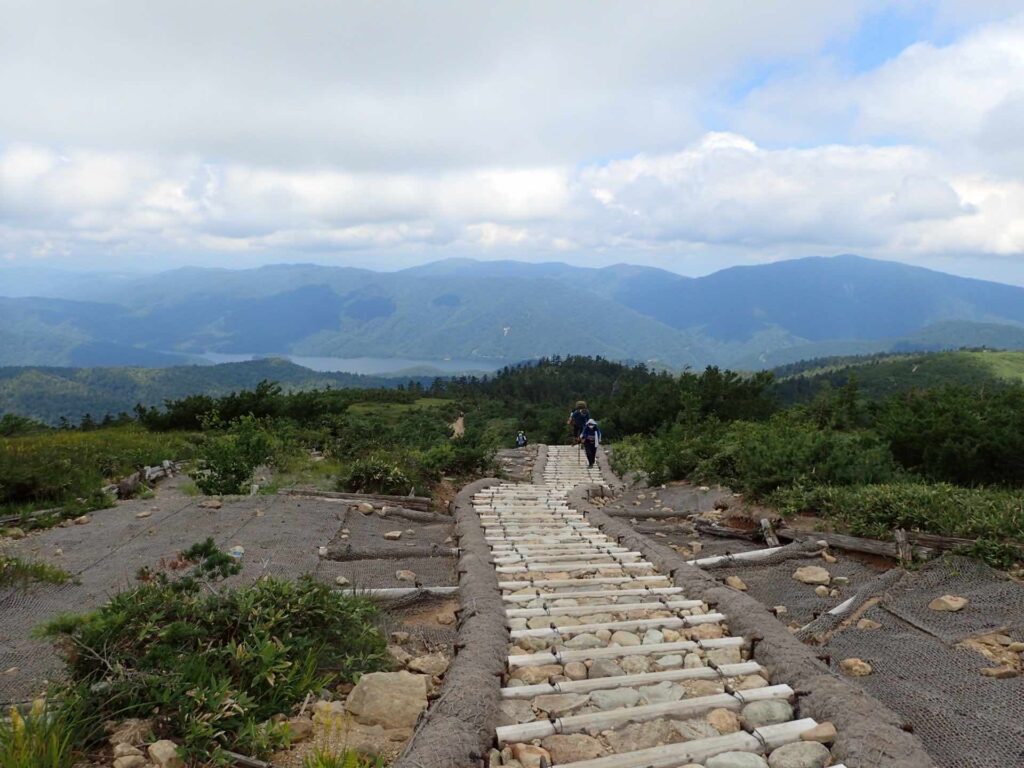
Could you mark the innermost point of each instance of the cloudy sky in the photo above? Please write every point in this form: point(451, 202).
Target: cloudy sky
point(688, 135)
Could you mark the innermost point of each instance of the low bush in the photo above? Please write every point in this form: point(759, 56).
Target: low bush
point(994, 517)
point(379, 472)
point(216, 665)
point(758, 457)
point(228, 457)
point(17, 571)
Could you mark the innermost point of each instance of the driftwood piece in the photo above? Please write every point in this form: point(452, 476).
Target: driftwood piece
point(714, 529)
point(769, 533)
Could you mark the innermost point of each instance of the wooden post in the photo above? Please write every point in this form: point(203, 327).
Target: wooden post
point(904, 552)
point(769, 533)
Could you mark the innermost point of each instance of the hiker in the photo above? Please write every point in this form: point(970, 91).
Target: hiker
point(591, 439)
point(578, 419)
point(521, 439)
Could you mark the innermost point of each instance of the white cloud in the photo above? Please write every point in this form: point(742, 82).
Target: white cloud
point(389, 84)
point(720, 191)
point(396, 131)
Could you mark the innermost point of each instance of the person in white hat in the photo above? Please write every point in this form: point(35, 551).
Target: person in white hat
point(590, 437)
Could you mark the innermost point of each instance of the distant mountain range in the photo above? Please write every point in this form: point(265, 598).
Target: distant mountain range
point(501, 312)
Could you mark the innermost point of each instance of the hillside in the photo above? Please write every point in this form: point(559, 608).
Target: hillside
point(47, 394)
point(883, 375)
point(500, 312)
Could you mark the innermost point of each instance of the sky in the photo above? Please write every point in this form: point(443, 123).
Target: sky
point(690, 136)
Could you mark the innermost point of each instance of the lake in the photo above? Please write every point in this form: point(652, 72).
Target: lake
point(371, 366)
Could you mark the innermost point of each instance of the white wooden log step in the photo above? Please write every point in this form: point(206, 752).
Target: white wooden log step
point(539, 524)
point(669, 622)
point(541, 529)
point(564, 656)
point(529, 549)
point(554, 583)
point(557, 553)
point(684, 708)
point(641, 565)
point(582, 610)
point(568, 557)
point(628, 681)
point(767, 738)
point(542, 540)
point(527, 519)
point(546, 596)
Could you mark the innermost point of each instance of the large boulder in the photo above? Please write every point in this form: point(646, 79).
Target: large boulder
point(388, 699)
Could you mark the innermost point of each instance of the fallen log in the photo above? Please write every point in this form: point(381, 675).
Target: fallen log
point(854, 543)
point(348, 553)
point(421, 503)
point(659, 514)
point(714, 529)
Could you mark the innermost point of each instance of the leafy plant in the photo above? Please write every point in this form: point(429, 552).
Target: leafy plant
point(377, 473)
point(216, 665)
point(226, 460)
point(44, 736)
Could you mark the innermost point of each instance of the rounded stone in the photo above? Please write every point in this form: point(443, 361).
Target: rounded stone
point(800, 754)
point(625, 638)
point(605, 668)
point(757, 714)
point(576, 670)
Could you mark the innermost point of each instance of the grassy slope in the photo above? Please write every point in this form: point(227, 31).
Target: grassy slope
point(879, 376)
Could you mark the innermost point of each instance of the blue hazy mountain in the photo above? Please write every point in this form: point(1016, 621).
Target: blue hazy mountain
point(505, 311)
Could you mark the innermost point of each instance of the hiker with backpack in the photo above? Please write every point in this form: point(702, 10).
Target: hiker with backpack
point(590, 437)
point(578, 419)
point(521, 439)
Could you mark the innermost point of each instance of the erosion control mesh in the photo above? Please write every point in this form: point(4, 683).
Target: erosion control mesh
point(995, 602)
point(964, 719)
point(771, 582)
point(281, 537)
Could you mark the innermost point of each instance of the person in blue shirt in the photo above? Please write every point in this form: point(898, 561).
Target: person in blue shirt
point(521, 439)
point(590, 437)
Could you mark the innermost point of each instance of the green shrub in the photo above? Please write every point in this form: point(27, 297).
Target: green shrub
point(994, 517)
point(758, 457)
point(377, 473)
point(459, 458)
point(226, 460)
point(15, 570)
point(217, 665)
